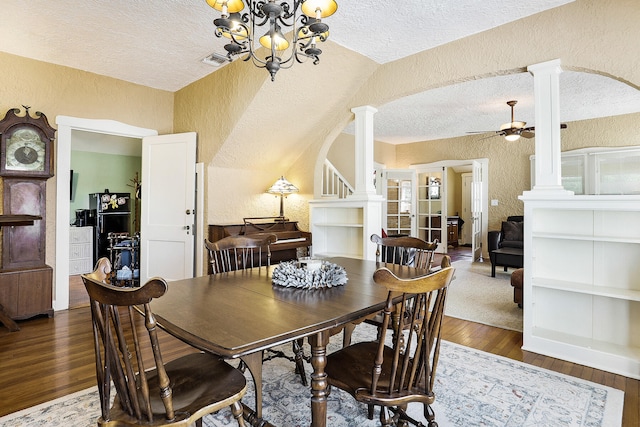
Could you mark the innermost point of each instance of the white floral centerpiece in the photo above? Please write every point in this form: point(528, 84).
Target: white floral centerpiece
point(290, 275)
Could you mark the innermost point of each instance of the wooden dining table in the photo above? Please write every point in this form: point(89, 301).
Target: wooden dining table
point(240, 314)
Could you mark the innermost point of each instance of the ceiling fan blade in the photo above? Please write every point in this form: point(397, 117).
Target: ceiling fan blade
point(530, 131)
point(490, 136)
point(527, 134)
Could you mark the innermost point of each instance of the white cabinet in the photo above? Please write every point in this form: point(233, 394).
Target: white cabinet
point(582, 281)
point(343, 227)
point(80, 250)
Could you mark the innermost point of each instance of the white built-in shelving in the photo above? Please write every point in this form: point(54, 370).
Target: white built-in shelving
point(582, 280)
point(343, 227)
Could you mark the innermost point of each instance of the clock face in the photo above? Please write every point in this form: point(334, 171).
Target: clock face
point(25, 151)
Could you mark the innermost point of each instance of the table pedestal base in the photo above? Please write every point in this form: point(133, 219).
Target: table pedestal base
point(319, 382)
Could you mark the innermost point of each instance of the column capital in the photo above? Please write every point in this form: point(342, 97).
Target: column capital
point(364, 109)
point(548, 67)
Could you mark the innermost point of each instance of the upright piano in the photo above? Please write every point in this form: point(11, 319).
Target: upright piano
point(290, 237)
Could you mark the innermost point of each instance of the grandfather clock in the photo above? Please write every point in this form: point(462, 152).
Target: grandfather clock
point(26, 163)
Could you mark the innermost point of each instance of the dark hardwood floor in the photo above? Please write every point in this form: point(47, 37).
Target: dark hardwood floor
point(460, 253)
point(49, 358)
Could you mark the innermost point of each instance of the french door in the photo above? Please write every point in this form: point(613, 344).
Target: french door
point(476, 211)
point(398, 187)
point(432, 206)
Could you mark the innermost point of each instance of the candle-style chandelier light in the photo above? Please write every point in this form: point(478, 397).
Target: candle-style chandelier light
point(241, 27)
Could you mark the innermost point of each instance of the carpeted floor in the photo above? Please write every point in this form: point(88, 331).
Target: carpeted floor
point(473, 389)
point(475, 295)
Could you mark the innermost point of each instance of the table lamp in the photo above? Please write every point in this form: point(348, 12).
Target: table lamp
point(282, 187)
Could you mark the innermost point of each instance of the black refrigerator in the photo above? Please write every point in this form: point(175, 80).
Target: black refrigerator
point(112, 214)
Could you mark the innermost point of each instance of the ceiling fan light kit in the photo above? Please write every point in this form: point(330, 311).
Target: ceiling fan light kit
point(243, 26)
point(511, 135)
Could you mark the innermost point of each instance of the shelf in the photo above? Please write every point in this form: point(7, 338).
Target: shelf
point(18, 220)
point(343, 227)
point(584, 288)
point(582, 292)
point(582, 343)
point(583, 237)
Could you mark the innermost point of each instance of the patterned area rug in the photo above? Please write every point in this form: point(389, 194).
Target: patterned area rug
point(476, 296)
point(474, 388)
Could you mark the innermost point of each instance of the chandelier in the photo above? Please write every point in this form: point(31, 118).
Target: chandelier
point(241, 27)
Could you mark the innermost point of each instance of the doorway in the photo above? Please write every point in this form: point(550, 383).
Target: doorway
point(101, 164)
point(67, 128)
point(478, 223)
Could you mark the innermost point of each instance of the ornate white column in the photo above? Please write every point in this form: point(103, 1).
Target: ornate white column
point(364, 170)
point(546, 86)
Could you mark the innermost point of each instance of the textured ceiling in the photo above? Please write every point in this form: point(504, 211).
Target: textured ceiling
point(160, 44)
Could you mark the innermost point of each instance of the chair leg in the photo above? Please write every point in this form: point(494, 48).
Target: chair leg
point(430, 415)
point(385, 417)
point(236, 410)
point(298, 358)
point(298, 351)
point(403, 419)
point(347, 332)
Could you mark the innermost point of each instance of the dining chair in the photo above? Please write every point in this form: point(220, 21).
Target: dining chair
point(243, 252)
point(405, 250)
point(240, 252)
point(402, 250)
point(392, 376)
point(149, 392)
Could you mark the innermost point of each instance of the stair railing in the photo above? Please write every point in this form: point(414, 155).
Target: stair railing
point(333, 183)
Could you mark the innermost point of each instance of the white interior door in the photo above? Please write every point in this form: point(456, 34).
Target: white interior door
point(168, 206)
point(476, 211)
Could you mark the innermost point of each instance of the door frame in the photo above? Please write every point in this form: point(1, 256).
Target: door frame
point(66, 126)
point(485, 190)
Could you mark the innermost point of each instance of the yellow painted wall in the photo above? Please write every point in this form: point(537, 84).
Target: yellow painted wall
point(509, 164)
point(56, 90)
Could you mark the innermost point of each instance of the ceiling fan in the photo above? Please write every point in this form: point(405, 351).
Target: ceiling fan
point(513, 130)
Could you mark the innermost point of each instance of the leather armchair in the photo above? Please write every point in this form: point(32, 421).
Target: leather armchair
point(496, 239)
